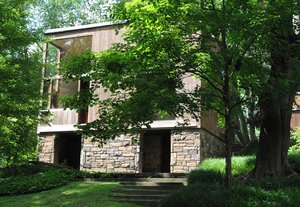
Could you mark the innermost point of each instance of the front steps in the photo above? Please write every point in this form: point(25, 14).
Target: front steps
point(146, 191)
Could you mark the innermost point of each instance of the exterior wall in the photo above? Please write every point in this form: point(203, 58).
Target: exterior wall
point(46, 148)
point(185, 149)
point(191, 146)
point(210, 145)
point(188, 148)
point(120, 155)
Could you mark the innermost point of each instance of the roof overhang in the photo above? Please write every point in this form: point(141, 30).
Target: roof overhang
point(81, 27)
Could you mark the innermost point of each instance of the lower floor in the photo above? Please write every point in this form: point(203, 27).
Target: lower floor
point(154, 151)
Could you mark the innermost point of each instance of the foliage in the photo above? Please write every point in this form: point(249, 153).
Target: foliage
point(29, 178)
point(49, 14)
point(270, 192)
point(294, 160)
point(240, 164)
point(213, 195)
point(295, 141)
point(77, 194)
point(19, 85)
point(204, 176)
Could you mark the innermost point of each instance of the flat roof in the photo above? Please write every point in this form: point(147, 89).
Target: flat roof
point(81, 27)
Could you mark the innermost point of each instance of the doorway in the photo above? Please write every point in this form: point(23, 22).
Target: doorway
point(67, 147)
point(156, 151)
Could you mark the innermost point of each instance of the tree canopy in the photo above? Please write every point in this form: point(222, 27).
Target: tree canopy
point(19, 85)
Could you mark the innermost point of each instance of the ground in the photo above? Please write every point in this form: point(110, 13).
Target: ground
point(76, 194)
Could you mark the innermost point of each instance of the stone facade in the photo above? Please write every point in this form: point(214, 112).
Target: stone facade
point(188, 148)
point(185, 149)
point(120, 155)
point(191, 146)
point(46, 148)
point(210, 145)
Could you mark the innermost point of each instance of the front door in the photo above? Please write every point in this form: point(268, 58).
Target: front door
point(156, 151)
point(67, 149)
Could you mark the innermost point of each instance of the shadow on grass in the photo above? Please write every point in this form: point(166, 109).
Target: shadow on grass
point(77, 194)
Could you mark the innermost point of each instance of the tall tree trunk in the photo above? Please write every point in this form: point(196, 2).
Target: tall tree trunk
point(228, 142)
point(271, 159)
point(276, 103)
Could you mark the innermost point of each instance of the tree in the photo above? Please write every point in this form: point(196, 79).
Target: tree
point(282, 42)
point(166, 41)
point(19, 85)
point(47, 14)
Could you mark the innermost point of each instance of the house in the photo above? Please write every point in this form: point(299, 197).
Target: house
point(163, 148)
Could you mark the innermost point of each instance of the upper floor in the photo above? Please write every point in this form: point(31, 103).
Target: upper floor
point(98, 37)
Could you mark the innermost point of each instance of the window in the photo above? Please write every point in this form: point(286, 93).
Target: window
point(54, 86)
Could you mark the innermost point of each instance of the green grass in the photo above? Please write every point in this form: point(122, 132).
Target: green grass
point(77, 194)
point(240, 164)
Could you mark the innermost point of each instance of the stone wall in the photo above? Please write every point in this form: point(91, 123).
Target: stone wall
point(188, 148)
point(120, 155)
point(191, 146)
point(185, 150)
point(210, 146)
point(46, 148)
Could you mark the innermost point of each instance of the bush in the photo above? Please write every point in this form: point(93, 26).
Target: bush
point(35, 177)
point(295, 141)
point(294, 160)
point(276, 183)
point(215, 195)
point(240, 165)
point(204, 176)
point(197, 195)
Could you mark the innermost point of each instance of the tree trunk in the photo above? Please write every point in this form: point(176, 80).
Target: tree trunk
point(271, 159)
point(228, 142)
point(276, 102)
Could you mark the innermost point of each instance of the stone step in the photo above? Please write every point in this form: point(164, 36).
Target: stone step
point(156, 197)
point(145, 191)
point(149, 187)
point(141, 202)
point(156, 180)
point(131, 183)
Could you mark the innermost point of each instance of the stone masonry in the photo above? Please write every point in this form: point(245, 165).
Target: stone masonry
point(46, 148)
point(123, 155)
point(120, 155)
point(191, 146)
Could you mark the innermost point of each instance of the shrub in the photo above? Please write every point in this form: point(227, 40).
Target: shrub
point(35, 177)
point(215, 195)
point(295, 141)
point(294, 160)
point(197, 195)
point(240, 164)
point(204, 176)
point(273, 183)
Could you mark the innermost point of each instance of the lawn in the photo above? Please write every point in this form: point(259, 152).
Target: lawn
point(76, 194)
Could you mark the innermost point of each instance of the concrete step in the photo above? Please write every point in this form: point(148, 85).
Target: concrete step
point(139, 196)
point(147, 191)
point(132, 183)
point(156, 180)
point(142, 202)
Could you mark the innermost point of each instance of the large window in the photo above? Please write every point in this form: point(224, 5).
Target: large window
point(54, 87)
